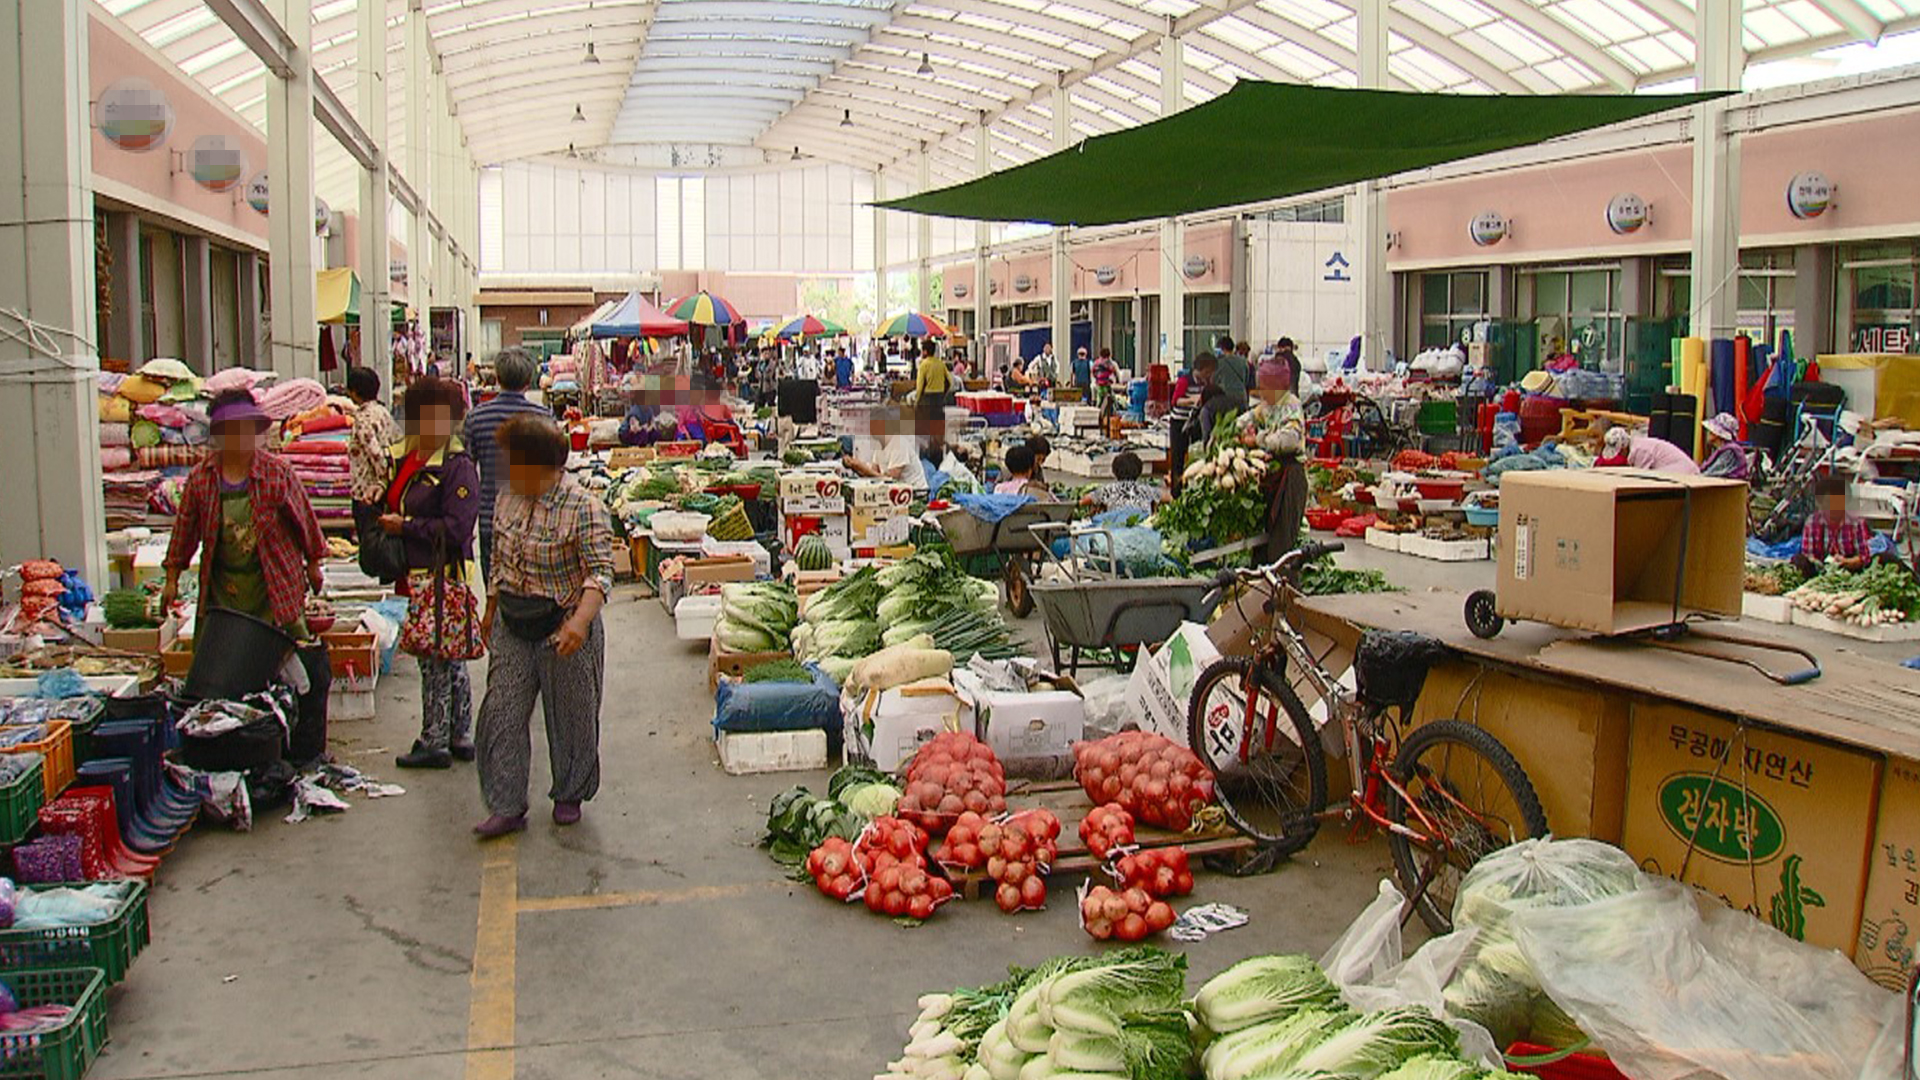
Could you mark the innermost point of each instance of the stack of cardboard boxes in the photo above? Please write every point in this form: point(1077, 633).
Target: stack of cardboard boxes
point(882, 512)
point(814, 501)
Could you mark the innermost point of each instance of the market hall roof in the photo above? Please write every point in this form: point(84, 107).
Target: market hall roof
point(871, 82)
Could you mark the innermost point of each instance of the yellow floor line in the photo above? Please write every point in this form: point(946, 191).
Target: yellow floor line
point(490, 1007)
point(648, 898)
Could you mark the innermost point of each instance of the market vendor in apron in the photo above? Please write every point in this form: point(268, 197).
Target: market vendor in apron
point(246, 515)
point(1277, 425)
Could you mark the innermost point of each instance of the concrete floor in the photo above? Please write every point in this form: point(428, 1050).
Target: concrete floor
point(653, 940)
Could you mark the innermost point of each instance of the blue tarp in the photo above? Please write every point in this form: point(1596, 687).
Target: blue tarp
point(990, 507)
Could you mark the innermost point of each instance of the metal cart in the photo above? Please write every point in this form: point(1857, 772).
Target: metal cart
point(1008, 538)
point(1094, 607)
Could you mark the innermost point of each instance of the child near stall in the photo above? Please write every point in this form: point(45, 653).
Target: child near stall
point(1127, 491)
point(1017, 475)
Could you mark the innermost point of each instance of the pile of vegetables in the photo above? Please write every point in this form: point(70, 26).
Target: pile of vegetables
point(896, 665)
point(945, 1037)
point(836, 869)
point(952, 774)
point(1158, 872)
point(841, 624)
point(798, 821)
point(1219, 501)
point(1105, 828)
point(781, 670)
point(886, 866)
point(1322, 578)
point(1113, 1015)
point(1773, 579)
point(960, 850)
point(1126, 915)
point(1882, 593)
point(756, 616)
point(962, 632)
point(130, 609)
point(929, 593)
point(1019, 854)
point(1149, 776)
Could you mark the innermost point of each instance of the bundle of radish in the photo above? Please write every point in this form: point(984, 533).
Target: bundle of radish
point(951, 775)
point(1019, 853)
point(1106, 828)
point(1128, 915)
point(1151, 777)
point(1158, 872)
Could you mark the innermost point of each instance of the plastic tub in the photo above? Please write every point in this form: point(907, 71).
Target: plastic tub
point(234, 655)
point(1485, 517)
point(1445, 490)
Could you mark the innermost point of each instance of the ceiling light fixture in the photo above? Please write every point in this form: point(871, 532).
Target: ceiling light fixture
point(846, 117)
point(592, 57)
point(926, 65)
point(796, 153)
point(578, 116)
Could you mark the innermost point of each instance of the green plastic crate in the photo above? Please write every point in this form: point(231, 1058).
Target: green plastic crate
point(20, 804)
point(110, 945)
point(66, 1051)
point(1437, 417)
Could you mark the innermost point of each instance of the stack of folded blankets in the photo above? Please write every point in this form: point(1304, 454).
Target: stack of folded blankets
point(563, 375)
point(153, 427)
point(317, 447)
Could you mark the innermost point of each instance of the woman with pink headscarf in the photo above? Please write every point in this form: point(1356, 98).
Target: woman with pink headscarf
point(1277, 424)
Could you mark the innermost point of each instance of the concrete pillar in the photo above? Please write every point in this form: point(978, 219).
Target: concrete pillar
point(293, 314)
point(1061, 307)
point(1240, 291)
point(924, 298)
point(124, 339)
point(196, 296)
point(1171, 347)
point(370, 86)
point(1375, 281)
point(880, 191)
point(1813, 322)
point(982, 236)
point(247, 305)
point(49, 421)
point(1721, 59)
point(419, 242)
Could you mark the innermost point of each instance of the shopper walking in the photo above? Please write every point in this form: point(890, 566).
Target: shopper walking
point(372, 440)
point(1277, 424)
point(1233, 374)
point(552, 571)
point(432, 505)
point(515, 369)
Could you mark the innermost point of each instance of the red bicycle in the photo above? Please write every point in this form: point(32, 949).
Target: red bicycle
point(1446, 792)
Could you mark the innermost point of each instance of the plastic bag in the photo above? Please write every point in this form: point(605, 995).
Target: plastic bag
point(1671, 995)
point(1366, 965)
point(1107, 708)
point(778, 706)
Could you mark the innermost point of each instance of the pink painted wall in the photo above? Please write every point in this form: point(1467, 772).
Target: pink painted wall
point(1136, 259)
point(150, 174)
point(1873, 161)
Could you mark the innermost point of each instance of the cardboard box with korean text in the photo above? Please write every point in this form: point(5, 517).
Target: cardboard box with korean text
point(1890, 917)
point(810, 492)
point(1618, 550)
point(878, 526)
point(1162, 681)
point(873, 494)
point(1779, 826)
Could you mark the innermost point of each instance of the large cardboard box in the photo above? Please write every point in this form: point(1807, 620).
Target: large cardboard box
point(878, 495)
point(1033, 732)
point(809, 492)
point(1162, 681)
point(1780, 824)
point(878, 526)
point(151, 640)
point(1617, 550)
point(1890, 916)
point(887, 727)
point(717, 569)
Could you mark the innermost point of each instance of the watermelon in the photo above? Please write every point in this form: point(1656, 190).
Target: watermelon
point(813, 553)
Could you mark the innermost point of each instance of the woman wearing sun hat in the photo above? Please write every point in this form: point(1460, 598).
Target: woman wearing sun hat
point(1725, 456)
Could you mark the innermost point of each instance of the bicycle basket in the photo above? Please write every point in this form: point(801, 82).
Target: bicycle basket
point(1391, 666)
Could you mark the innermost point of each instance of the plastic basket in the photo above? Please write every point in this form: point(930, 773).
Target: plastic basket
point(20, 803)
point(63, 1052)
point(110, 945)
point(56, 752)
point(1571, 1067)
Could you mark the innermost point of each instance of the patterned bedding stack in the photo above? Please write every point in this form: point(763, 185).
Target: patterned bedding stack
point(317, 446)
point(153, 428)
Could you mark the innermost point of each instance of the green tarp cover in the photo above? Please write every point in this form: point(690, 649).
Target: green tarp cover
point(1263, 140)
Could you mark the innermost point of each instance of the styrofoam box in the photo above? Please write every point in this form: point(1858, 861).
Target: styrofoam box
point(111, 685)
point(1443, 550)
point(1812, 620)
point(350, 704)
point(695, 616)
point(1773, 609)
point(1385, 541)
point(744, 753)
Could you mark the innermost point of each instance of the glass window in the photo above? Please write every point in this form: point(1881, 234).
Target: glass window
point(1450, 304)
point(1881, 282)
point(1550, 293)
point(1586, 301)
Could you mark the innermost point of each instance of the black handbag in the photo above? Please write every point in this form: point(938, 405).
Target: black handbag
point(382, 557)
point(530, 618)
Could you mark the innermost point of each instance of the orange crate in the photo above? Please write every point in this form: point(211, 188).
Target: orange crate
point(56, 752)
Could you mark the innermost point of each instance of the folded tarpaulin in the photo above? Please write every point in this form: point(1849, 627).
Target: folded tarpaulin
point(990, 507)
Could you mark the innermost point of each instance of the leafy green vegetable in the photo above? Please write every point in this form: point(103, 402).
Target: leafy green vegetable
point(1379, 1041)
point(847, 776)
point(126, 609)
point(797, 822)
point(1148, 1046)
point(1272, 1048)
point(1097, 999)
point(782, 670)
point(1322, 578)
point(1433, 1067)
point(1263, 988)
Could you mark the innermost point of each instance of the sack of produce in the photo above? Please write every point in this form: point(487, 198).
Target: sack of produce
point(1149, 776)
point(778, 706)
point(952, 774)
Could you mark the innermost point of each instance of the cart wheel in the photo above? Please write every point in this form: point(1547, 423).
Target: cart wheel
point(1019, 597)
point(1482, 619)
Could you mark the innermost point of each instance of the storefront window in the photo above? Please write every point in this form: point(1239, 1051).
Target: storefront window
point(1585, 302)
point(1208, 315)
point(1767, 285)
point(1879, 282)
point(1450, 303)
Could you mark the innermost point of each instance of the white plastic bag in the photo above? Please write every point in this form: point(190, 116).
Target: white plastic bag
point(1107, 708)
point(1366, 965)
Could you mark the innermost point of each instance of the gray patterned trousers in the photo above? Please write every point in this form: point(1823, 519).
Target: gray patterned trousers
point(568, 688)
point(446, 703)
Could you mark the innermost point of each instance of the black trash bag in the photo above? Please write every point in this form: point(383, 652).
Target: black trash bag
point(1391, 666)
point(270, 786)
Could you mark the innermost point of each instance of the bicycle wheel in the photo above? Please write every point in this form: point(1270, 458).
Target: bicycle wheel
point(1275, 794)
point(1019, 596)
point(1473, 792)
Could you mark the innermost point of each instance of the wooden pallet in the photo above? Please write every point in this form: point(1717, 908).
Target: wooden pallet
point(1069, 803)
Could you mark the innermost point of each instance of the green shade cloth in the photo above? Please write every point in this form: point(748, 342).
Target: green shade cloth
point(1263, 140)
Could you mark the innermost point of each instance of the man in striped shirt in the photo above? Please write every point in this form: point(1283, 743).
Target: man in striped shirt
point(515, 369)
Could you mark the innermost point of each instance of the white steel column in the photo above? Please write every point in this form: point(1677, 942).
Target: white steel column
point(49, 422)
point(1374, 279)
point(419, 95)
point(982, 237)
point(1721, 60)
point(880, 190)
point(196, 302)
point(923, 243)
point(1061, 308)
point(375, 289)
point(292, 313)
point(1171, 348)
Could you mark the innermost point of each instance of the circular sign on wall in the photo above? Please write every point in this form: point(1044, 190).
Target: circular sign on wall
point(217, 163)
point(1022, 284)
point(133, 114)
point(1488, 227)
point(1626, 213)
point(1196, 266)
point(1106, 275)
point(960, 289)
point(257, 192)
point(322, 214)
point(1809, 195)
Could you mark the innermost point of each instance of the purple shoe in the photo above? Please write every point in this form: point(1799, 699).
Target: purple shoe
point(566, 813)
point(500, 825)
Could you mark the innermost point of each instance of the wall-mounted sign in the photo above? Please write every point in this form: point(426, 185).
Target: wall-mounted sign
point(1627, 213)
point(1106, 275)
point(217, 163)
point(397, 271)
point(257, 192)
point(1487, 228)
point(1023, 284)
point(1337, 267)
point(993, 288)
point(322, 215)
point(133, 114)
point(1196, 266)
point(1809, 195)
point(960, 289)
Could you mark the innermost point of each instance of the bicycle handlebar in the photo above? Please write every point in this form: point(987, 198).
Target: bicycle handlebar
point(1283, 568)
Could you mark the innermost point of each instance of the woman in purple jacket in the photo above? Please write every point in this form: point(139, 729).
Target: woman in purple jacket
point(433, 504)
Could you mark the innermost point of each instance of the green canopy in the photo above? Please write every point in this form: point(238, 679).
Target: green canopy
point(1263, 140)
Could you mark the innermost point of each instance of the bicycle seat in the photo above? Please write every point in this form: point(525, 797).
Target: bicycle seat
point(1391, 666)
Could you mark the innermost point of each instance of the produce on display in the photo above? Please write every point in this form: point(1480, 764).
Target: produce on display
point(952, 1030)
point(929, 593)
point(1151, 777)
point(1882, 593)
point(129, 609)
point(898, 665)
point(952, 774)
point(1020, 852)
point(782, 670)
point(1260, 989)
point(1322, 578)
point(798, 822)
point(836, 869)
point(812, 553)
point(756, 616)
point(905, 890)
point(840, 625)
point(1159, 872)
point(1105, 828)
point(864, 790)
point(1220, 500)
point(1126, 914)
point(1773, 579)
point(961, 847)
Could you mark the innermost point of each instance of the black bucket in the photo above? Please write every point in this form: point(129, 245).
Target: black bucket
point(248, 747)
point(234, 655)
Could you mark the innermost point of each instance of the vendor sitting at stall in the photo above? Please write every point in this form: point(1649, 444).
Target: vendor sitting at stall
point(640, 427)
point(1016, 475)
point(716, 420)
point(889, 453)
point(1127, 491)
point(1726, 457)
point(1832, 534)
point(1621, 447)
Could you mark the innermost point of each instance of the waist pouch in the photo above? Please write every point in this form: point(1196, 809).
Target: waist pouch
point(531, 618)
